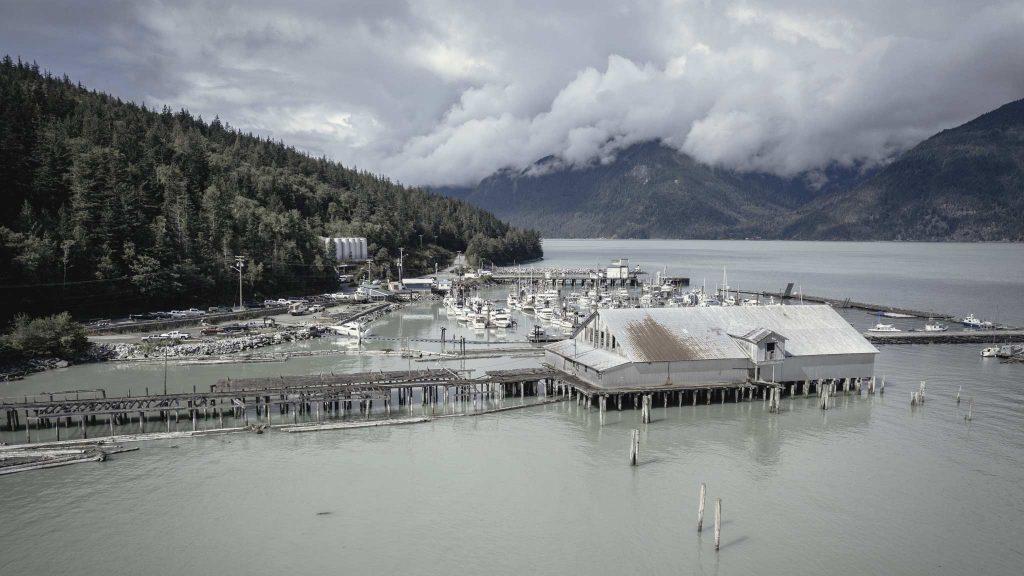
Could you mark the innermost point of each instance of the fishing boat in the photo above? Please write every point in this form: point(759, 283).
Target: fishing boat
point(972, 322)
point(883, 328)
point(935, 327)
point(990, 352)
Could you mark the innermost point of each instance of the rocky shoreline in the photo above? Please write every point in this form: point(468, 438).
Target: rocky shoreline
point(206, 347)
point(126, 351)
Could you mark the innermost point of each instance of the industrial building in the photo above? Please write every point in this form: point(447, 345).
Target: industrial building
point(718, 346)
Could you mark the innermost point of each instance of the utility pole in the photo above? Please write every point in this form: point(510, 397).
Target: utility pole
point(239, 266)
point(401, 260)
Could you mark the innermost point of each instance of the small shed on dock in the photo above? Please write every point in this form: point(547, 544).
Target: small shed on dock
point(718, 345)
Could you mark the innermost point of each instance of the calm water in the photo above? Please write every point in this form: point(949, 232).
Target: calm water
point(870, 487)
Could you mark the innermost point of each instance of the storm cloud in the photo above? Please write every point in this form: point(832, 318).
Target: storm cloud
point(438, 92)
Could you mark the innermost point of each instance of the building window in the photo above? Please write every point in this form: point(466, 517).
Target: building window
point(769, 348)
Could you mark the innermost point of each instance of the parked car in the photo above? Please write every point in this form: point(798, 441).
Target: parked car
point(217, 309)
point(176, 335)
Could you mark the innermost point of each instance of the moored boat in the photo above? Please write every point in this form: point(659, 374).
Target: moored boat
point(883, 328)
point(973, 322)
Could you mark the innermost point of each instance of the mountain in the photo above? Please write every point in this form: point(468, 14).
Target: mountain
point(113, 207)
point(965, 183)
point(647, 191)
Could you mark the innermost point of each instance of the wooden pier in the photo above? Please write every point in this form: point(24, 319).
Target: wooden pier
point(841, 303)
point(950, 337)
point(314, 397)
point(581, 279)
point(643, 398)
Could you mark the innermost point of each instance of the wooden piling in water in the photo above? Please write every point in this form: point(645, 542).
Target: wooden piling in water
point(700, 508)
point(718, 522)
point(634, 448)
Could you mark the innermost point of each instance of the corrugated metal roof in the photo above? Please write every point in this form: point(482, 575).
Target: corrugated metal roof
point(757, 334)
point(673, 334)
point(596, 358)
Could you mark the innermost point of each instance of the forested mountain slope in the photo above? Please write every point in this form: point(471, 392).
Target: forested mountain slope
point(108, 203)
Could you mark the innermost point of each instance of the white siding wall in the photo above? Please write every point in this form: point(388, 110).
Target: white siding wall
point(817, 367)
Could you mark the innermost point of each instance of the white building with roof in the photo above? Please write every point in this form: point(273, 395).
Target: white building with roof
point(701, 346)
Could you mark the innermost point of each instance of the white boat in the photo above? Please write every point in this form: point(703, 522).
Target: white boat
point(883, 328)
point(353, 329)
point(990, 352)
point(545, 313)
point(936, 327)
point(478, 321)
point(501, 319)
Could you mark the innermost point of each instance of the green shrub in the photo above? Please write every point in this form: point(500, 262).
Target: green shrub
point(48, 336)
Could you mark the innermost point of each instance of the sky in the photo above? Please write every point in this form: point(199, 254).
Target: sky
point(446, 92)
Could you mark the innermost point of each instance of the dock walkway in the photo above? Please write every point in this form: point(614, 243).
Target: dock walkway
point(958, 337)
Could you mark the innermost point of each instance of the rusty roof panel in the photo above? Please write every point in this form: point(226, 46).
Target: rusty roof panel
point(651, 341)
point(680, 334)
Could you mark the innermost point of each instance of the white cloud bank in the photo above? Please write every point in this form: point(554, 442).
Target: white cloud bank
point(448, 91)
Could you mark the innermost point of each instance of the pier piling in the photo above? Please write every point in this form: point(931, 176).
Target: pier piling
point(700, 508)
point(634, 448)
point(718, 522)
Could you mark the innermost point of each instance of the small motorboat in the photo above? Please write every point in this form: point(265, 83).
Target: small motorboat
point(883, 328)
point(936, 327)
point(990, 352)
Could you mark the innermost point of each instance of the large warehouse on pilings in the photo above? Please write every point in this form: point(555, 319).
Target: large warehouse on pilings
point(734, 348)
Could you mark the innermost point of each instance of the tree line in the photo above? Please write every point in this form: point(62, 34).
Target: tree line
point(115, 207)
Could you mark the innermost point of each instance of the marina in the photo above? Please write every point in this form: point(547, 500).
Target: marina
point(511, 434)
